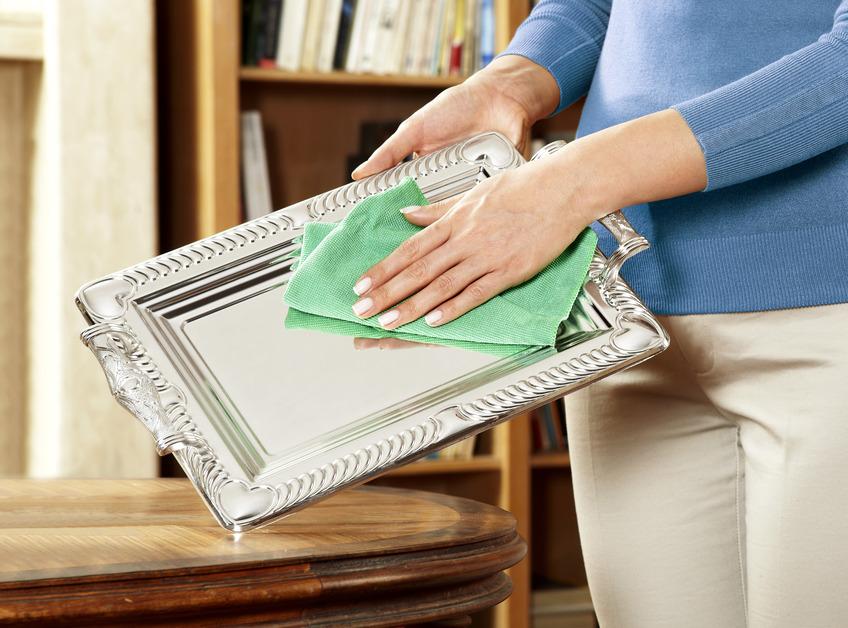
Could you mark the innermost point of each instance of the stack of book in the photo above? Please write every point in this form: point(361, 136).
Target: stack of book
point(548, 424)
point(407, 37)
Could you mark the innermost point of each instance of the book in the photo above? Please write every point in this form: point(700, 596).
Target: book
point(368, 51)
point(469, 45)
point(251, 26)
point(290, 45)
point(256, 186)
point(361, 16)
point(329, 35)
point(548, 428)
point(434, 23)
point(396, 52)
point(417, 40)
point(343, 37)
point(487, 32)
point(442, 65)
point(271, 11)
point(387, 27)
point(312, 35)
point(455, 62)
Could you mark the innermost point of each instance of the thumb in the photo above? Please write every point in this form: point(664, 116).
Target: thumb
point(401, 143)
point(423, 215)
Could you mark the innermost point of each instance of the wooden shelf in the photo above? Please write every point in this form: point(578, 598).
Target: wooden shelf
point(345, 78)
point(431, 467)
point(550, 460)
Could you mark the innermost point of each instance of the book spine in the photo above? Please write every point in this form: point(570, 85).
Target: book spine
point(290, 50)
point(399, 40)
point(438, 37)
point(444, 53)
point(455, 64)
point(360, 15)
point(343, 39)
point(314, 21)
point(371, 30)
point(271, 32)
point(256, 183)
point(469, 41)
point(251, 25)
point(420, 31)
point(329, 35)
point(487, 32)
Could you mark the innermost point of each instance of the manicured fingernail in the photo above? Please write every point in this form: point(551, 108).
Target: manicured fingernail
point(362, 306)
point(433, 317)
point(410, 209)
point(362, 286)
point(388, 317)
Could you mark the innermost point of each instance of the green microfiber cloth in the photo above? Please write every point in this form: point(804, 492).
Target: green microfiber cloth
point(334, 256)
point(295, 319)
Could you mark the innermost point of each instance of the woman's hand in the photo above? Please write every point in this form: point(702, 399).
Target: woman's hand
point(497, 235)
point(511, 226)
point(509, 95)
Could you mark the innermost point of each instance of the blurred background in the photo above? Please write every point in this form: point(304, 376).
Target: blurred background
point(131, 127)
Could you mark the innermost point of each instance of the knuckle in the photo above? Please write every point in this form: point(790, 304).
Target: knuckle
point(477, 292)
point(409, 248)
point(444, 283)
point(419, 270)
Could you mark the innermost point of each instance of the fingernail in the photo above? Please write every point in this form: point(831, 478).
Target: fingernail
point(357, 169)
point(433, 317)
point(388, 317)
point(362, 306)
point(410, 209)
point(362, 286)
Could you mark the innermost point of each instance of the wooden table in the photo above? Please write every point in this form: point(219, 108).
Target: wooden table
point(147, 551)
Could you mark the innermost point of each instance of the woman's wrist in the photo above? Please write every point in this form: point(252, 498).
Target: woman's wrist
point(647, 159)
point(523, 82)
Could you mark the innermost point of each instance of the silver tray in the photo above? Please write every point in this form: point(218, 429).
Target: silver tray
point(266, 420)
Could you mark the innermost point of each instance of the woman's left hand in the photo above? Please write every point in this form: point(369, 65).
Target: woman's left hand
point(499, 234)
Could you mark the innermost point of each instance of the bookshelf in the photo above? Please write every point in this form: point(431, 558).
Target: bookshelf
point(311, 124)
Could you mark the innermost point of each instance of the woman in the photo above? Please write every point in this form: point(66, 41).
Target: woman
point(711, 481)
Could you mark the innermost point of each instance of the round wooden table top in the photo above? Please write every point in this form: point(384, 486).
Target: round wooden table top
point(147, 551)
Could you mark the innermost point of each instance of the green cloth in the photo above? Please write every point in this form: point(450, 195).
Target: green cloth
point(295, 319)
point(335, 255)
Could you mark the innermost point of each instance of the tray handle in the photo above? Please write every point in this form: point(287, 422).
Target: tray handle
point(113, 346)
point(630, 241)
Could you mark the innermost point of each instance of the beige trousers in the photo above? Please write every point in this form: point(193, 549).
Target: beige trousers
point(712, 481)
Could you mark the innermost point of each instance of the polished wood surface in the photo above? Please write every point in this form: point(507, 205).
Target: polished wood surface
point(148, 551)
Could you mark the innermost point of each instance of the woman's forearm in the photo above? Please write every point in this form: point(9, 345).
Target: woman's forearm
point(647, 159)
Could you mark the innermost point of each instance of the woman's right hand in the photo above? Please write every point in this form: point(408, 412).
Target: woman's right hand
point(508, 96)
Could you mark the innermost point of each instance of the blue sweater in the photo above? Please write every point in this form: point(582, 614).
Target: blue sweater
point(763, 84)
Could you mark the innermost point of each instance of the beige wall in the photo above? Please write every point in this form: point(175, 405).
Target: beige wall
point(77, 201)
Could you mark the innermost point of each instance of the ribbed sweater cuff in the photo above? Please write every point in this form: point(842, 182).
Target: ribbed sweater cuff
point(787, 112)
point(566, 41)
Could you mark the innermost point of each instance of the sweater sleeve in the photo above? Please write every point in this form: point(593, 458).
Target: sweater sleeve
point(788, 111)
point(565, 38)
